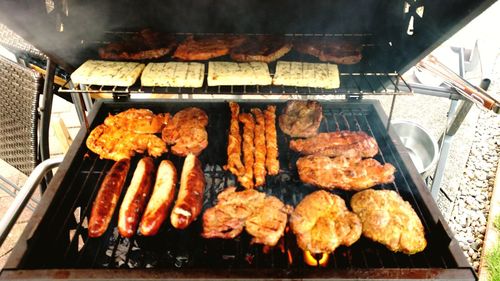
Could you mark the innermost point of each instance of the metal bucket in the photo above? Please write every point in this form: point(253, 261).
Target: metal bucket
point(423, 149)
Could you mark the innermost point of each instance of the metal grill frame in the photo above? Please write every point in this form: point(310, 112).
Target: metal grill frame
point(461, 272)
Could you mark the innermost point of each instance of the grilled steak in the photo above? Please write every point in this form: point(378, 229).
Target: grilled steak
point(330, 50)
point(343, 143)
point(301, 118)
point(145, 45)
point(389, 220)
point(264, 48)
point(322, 222)
point(263, 216)
point(186, 132)
point(207, 47)
point(344, 173)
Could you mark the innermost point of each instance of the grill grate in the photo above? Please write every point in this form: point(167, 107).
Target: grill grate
point(63, 231)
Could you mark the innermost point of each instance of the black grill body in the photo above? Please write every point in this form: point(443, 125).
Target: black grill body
point(55, 242)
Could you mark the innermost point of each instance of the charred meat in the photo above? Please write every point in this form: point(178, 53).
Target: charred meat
point(301, 118)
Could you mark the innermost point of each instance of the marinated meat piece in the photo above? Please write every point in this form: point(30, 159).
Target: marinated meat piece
point(350, 144)
point(141, 121)
point(272, 163)
point(267, 223)
point(186, 132)
point(246, 179)
point(259, 165)
point(145, 45)
point(331, 50)
point(344, 173)
point(322, 222)
point(301, 118)
point(389, 220)
point(264, 48)
point(263, 216)
point(121, 139)
point(234, 164)
point(207, 47)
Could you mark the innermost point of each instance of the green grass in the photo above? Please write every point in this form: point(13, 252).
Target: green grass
point(496, 222)
point(493, 263)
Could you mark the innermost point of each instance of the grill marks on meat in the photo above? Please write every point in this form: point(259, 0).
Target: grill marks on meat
point(344, 173)
point(301, 118)
point(126, 133)
point(186, 132)
point(264, 48)
point(259, 166)
point(264, 217)
point(145, 45)
point(272, 163)
point(350, 144)
point(389, 220)
point(207, 47)
point(331, 50)
point(246, 180)
point(234, 164)
point(322, 222)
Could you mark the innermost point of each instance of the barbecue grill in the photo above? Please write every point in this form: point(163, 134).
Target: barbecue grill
point(395, 35)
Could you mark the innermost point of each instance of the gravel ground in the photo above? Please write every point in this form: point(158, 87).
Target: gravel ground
point(469, 211)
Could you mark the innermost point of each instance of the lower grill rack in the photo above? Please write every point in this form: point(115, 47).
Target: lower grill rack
point(62, 229)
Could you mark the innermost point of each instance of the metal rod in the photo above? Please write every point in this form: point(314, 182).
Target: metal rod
point(79, 106)
point(388, 125)
point(22, 198)
point(46, 111)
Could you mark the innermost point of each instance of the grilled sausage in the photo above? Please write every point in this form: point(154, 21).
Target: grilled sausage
point(135, 199)
point(161, 199)
point(107, 198)
point(190, 199)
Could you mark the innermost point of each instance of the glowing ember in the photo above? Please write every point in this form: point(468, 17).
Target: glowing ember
point(316, 259)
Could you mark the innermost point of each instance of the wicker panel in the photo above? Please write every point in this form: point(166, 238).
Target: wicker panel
point(19, 88)
point(15, 43)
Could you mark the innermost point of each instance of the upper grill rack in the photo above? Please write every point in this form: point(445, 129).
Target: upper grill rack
point(350, 83)
point(372, 75)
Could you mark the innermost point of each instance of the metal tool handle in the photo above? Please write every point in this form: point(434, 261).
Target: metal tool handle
point(22, 198)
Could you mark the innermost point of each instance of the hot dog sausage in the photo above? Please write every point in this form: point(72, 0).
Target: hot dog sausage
point(161, 199)
point(107, 198)
point(190, 199)
point(135, 199)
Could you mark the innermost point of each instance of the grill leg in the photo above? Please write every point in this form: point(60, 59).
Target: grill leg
point(45, 112)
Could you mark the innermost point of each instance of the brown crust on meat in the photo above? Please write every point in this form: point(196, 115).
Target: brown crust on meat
point(161, 199)
point(350, 144)
point(144, 45)
point(263, 48)
point(107, 198)
point(206, 47)
point(259, 166)
point(246, 180)
point(234, 164)
point(344, 173)
point(190, 198)
point(301, 118)
point(136, 197)
point(272, 162)
point(322, 222)
point(331, 50)
point(186, 132)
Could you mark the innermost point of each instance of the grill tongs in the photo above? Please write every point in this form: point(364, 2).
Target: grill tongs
point(462, 86)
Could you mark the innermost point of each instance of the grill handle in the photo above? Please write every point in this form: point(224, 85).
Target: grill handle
point(22, 198)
